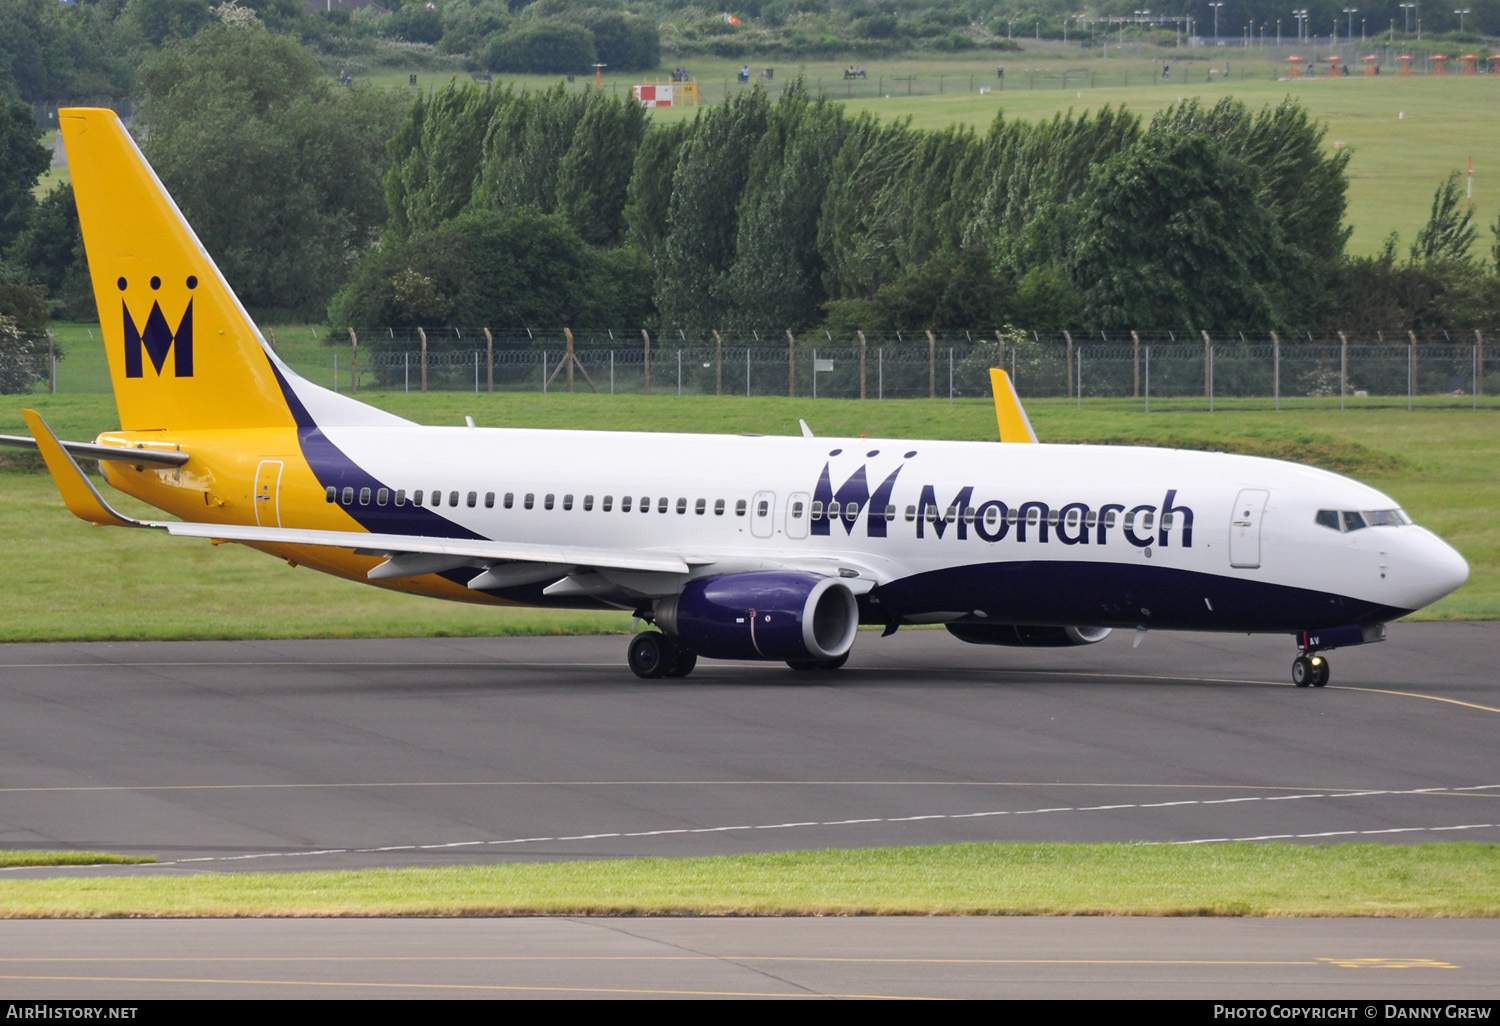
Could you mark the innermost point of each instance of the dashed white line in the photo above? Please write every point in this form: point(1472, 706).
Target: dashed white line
point(512, 841)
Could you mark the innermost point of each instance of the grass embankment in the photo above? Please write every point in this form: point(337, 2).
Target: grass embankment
point(35, 859)
point(66, 581)
point(963, 879)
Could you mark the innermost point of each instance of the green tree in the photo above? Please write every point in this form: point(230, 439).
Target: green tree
point(501, 269)
point(51, 51)
point(526, 142)
point(648, 197)
point(50, 253)
point(437, 154)
point(777, 276)
point(278, 172)
point(543, 48)
point(23, 158)
point(593, 176)
point(855, 238)
point(1171, 233)
point(1449, 234)
point(703, 224)
point(160, 20)
point(22, 360)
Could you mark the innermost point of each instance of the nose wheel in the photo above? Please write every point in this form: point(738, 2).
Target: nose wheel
point(1309, 671)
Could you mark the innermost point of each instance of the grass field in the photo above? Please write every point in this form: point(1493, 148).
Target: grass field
point(962, 879)
point(1438, 463)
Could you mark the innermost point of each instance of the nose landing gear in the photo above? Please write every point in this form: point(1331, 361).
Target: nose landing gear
point(1309, 670)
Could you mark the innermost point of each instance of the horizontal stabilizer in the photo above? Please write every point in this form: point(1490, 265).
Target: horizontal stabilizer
point(88, 450)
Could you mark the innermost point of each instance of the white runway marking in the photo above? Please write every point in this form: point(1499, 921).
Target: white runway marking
point(1050, 810)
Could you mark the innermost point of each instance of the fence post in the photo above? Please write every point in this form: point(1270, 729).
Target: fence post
point(52, 363)
point(791, 364)
point(931, 366)
point(718, 363)
point(1478, 362)
point(861, 364)
point(423, 336)
point(353, 361)
point(1135, 341)
point(1411, 368)
point(1276, 368)
point(1000, 349)
point(1068, 335)
point(1208, 369)
point(489, 360)
point(1343, 368)
point(271, 334)
point(646, 348)
point(568, 334)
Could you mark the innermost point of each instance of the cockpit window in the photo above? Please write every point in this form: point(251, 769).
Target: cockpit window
point(1347, 520)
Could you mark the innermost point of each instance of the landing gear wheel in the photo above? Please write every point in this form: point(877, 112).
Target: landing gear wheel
point(803, 665)
point(1320, 668)
point(683, 661)
point(1303, 672)
point(649, 655)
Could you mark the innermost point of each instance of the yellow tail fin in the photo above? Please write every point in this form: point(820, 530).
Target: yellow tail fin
point(1015, 426)
point(183, 353)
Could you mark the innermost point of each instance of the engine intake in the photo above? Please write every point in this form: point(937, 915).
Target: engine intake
point(1023, 635)
point(763, 614)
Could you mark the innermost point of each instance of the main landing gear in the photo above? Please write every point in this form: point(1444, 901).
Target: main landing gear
point(652, 654)
point(1309, 670)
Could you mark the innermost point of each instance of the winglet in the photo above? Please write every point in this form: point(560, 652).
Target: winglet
point(1014, 425)
point(82, 499)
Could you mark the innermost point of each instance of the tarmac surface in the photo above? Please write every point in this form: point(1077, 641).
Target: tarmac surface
point(289, 755)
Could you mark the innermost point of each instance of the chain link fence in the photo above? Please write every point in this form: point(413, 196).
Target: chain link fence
point(1390, 369)
point(1395, 369)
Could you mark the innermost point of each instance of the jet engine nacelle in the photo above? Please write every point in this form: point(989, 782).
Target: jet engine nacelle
point(763, 614)
point(1026, 635)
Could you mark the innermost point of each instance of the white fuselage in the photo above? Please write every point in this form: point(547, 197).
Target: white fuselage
point(1074, 534)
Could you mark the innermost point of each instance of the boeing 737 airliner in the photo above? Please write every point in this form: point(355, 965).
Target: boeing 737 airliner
point(734, 547)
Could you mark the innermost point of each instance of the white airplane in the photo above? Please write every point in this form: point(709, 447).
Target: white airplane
point(735, 547)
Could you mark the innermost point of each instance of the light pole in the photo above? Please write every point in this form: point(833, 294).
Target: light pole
point(1278, 32)
point(1406, 10)
point(1301, 16)
point(1216, 6)
point(1461, 18)
point(1349, 13)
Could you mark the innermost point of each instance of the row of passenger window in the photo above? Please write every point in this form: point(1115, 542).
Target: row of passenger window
point(435, 498)
point(849, 511)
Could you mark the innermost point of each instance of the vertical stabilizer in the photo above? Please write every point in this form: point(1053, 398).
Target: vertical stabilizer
point(1015, 426)
point(183, 353)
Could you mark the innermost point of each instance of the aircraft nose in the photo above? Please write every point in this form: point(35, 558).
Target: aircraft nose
point(1433, 569)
